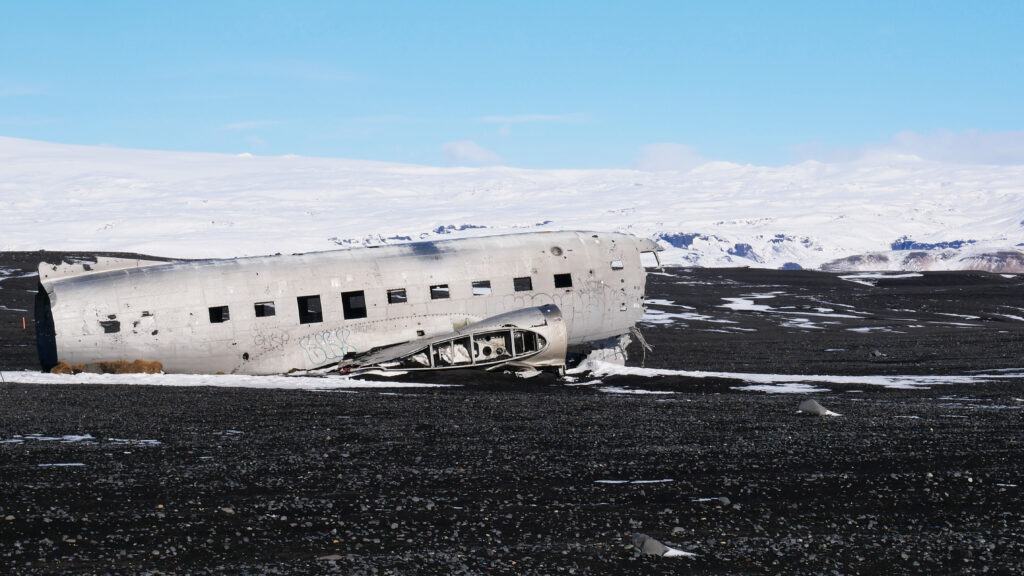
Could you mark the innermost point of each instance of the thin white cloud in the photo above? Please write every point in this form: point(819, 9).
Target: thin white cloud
point(533, 119)
point(293, 70)
point(382, 119)
point(468, 152)
point(507, 121)
point(6, 91)
point(967, 147)
point(29, 120)
point(247, 125)
point(299, 70)
point(664, 156)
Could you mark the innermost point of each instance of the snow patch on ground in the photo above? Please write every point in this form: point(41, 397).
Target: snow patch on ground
point(652, 316)
point(872, 278)
point(620, 390)
point(602, 370)
point(66, 439)
point(747, 303)
point(661, 481)
point(870, 329)
point(585, 383)
point(782, 388)
point(220, 380)
point(62, 465)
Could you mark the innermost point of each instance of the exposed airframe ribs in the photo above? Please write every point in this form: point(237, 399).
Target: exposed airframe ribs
point(531, 337)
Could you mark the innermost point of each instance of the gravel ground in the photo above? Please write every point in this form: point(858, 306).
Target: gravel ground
point(498, 475)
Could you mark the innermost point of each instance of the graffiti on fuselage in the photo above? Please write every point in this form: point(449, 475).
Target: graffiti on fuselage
point(271, 340)
point(326, 346)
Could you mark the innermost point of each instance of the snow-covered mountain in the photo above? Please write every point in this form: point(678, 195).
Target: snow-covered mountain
point(890, 213)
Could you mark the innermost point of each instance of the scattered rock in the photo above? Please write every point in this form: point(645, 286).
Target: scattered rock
point(647, 545)
point(812, 408)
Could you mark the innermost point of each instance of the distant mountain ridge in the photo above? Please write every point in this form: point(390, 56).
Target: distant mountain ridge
point(895, 213)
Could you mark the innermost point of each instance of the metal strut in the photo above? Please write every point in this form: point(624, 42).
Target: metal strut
point(644, 346)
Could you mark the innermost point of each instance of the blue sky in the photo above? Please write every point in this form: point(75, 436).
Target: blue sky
point(529, 84)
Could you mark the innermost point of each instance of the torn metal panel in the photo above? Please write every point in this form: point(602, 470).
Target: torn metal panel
point(528, 338)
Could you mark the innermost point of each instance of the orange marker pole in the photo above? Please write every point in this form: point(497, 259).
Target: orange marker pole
point(22, 322)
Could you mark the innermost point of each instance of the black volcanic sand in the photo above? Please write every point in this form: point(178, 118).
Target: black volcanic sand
point(506, 476)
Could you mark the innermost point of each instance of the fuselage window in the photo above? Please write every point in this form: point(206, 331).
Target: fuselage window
point(617, 265)
point(439, 292)
point(264, 309)
point(397, 296)
point(482, 288)
point(219, 314)
point(310, 311)
point(353, 305)
point(563, 280)
point(523, 284)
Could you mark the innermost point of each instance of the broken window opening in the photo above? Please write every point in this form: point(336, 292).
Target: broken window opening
point(418, 359)
point(452, 353)
point(481, 349)
point(353, 305)
point(439, 292)
point(563, 280)
point(491, 346)
point(482, 288)
point(264, 309)
point(397, 296)
point(522, 284)
point(310, 311)
point(617, 265)
point(219, 314)
point(527, 342)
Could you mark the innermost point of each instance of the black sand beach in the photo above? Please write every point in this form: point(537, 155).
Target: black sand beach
point(544, 476)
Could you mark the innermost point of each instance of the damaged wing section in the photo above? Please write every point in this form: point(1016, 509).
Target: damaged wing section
point(528, 338)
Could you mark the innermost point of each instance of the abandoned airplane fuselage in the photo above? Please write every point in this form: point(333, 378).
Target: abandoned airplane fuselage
point(517, 299)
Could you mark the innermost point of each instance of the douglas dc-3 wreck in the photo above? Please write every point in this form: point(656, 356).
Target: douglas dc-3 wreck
point(518, 301)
